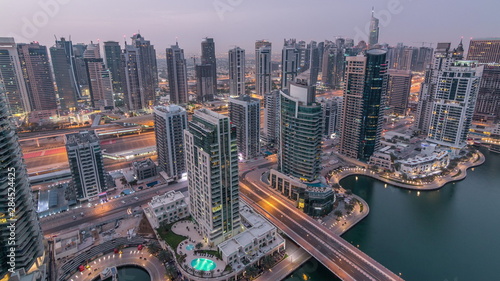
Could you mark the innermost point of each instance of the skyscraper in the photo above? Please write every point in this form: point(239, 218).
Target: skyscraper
point(170, 122)
point(208, 58)
point(290, 62)
point(236, 71)
point(177, 75)
point(398, 91)
point(204, 83)
point(244, 113)
point(100, 85)
point(141, 73)
point(263, 79)
point(488, 99)
point(330, 109)
point(454, 102)
point(212, 166)
point(364, 97)
point(18, 218)
point(374, 30)
point(333, 67)
point(484, 50)
point(68, 89)
point(271, 117)
point(37, 73)
point(86, 164)
point(300, 130)
point(11, 73)
point(443, 59)
point(112, 55)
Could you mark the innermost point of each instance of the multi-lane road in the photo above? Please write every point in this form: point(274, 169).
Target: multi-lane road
point(342, 258)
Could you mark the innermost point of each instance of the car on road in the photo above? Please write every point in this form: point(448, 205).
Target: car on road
point(123, 202)
point(136, 198)
point(74, 217)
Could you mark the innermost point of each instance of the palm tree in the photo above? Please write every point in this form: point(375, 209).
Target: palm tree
point(338, 213)
point(154, 248)
point(251, 271)
point(170, 271)
point(198, 245)
point(267, 262)
point(164, 256)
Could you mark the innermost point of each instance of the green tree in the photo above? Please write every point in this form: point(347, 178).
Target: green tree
point(198, 245)
point(164, 256)
point(154, 248)
point(251, 271)
point(267, 262)
point(338, 213)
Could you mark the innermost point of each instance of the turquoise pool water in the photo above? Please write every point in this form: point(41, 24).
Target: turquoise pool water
point(190, 247)
point(203, 264)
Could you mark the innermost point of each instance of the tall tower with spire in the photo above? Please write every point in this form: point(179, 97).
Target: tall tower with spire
point(374, 29)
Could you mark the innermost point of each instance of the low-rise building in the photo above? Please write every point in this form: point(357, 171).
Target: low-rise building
point(382, 159)
point(429, 162)
point(167, 208)
point(144, 169)
point(259, 239)
point(313, 198)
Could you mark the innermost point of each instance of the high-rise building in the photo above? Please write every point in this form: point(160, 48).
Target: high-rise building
point(208, 58)
point(134, 97)
point(484, 50)
point(488, 99)
point(113, 59)
point(263, 78)
point(170, 122)
point(244, 113)
point(454, 103)
point(312, 62)
point(333, 67)
point(424, 59)
point(86, 164)
point(443, 59)
point(149, 69)
point(204, 83)
point(374, 30)
point(177, 75)
point(63, 64)
point(398, 91)
point(364, 97)
point(12, 75)
point(271, 118)
point(237, 71)
point(212, 167)
point(37, 73)
point(290, 62)
point(20, 224)
point(100, 84)
point(301, 130)
point(330, 109)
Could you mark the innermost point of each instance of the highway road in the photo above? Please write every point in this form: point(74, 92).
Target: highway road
point(346, 261)
point(113, 209)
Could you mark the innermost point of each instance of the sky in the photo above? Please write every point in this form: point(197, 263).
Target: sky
point(242, 22)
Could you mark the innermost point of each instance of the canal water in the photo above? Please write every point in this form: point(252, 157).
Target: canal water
point(451, 234)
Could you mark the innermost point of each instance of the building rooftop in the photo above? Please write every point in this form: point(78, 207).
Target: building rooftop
point(143, 163)
point(167, 198)
point(82, 137)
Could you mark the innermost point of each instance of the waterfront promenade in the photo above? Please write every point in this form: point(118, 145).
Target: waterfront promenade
point(457, 174)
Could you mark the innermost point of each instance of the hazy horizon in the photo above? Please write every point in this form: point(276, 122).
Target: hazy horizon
point(242, 22)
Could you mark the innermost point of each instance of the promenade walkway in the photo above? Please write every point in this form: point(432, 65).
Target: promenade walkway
point(130, 256)
point(459, 173)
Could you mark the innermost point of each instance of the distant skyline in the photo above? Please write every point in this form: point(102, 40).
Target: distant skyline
point(242, 22)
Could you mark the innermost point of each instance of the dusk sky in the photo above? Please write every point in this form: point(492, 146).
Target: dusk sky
point(241, 22)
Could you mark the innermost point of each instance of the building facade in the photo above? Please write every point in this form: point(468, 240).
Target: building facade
point(484, 50)
point(290, 63)
point(208, 59)
point(300, 131)
point(271, 118)
point(144, 169)
point(244, 113)
point(113, 59)
point(212, 166)
point(237, 72)
point(454, 104)
point(363, 100)
point(374, 30)
point(398, 91)
point(488, 98)
point(37, 73)
point(170, 122)
point(204, 83)
point(86, 164)
point(177, 75)
point(168, 208)
point(63, 63)
point(11, 74)
point(17, 207)
point(263, 76)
